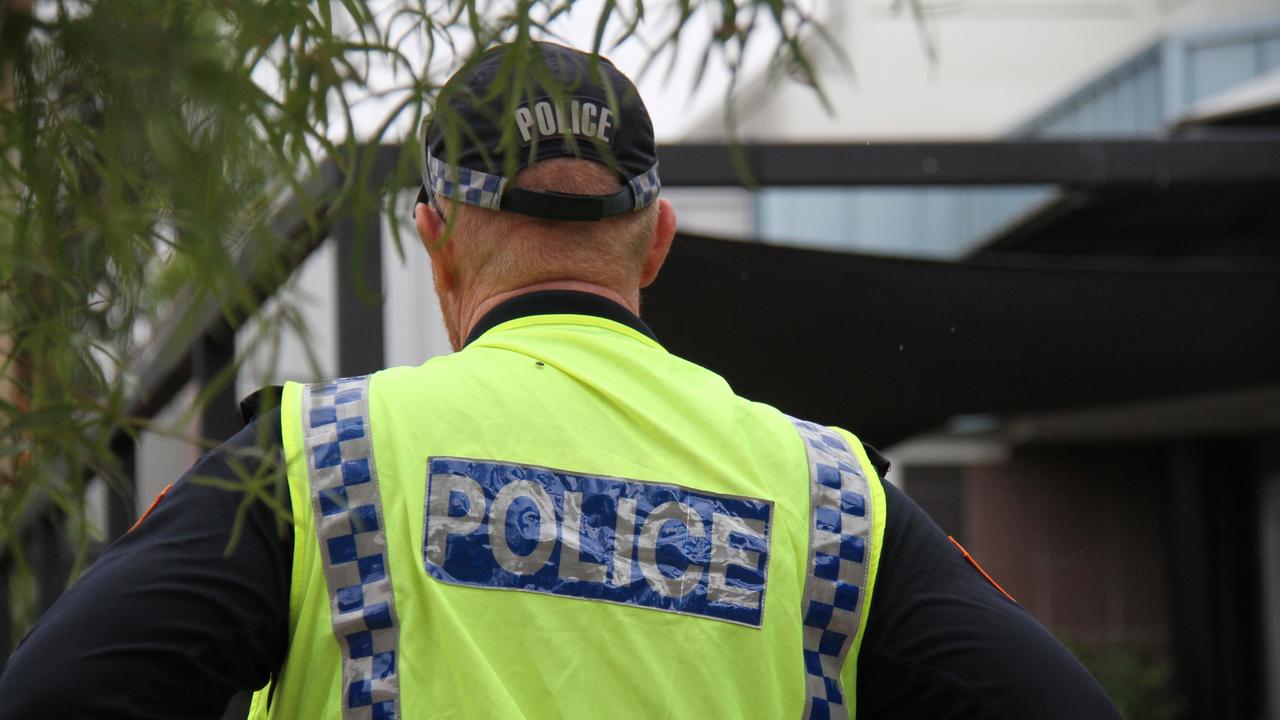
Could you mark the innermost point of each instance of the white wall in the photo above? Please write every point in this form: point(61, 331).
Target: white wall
point(724, 212)
point(998, 62)
point(276, 349)
point(414, 330)
point(168, 450)
point(274, 352)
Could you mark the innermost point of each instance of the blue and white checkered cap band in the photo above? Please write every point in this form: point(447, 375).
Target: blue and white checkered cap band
point(645, 186)
point(482, 189)
point(836, 578)
point(465, 185)
point(348, 515)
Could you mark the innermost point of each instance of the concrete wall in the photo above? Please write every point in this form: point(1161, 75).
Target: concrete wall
point(998, 62)
point(414, 329)
point(1030, 68)
point(1153, 88)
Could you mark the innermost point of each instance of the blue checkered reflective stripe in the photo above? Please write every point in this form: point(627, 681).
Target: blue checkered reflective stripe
point(353, 546)
point(464, 184)
point(645, 187)
point(836, 575)
point(482, 189)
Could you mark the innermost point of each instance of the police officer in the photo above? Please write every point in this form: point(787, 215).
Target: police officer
point(562, 519)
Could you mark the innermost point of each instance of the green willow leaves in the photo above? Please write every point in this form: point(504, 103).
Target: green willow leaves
point(146, 148)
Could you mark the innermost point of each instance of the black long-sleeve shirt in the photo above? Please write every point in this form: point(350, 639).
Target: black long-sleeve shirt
point(175, 617)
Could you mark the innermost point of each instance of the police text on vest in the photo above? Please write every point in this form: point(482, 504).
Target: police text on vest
point(654, 545)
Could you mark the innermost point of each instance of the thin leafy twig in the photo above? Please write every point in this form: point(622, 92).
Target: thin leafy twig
point(144, 148)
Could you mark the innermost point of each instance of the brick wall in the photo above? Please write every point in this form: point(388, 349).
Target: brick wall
point(1075, 535)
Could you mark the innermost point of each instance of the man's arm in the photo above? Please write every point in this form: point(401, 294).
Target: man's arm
point(169, 623)
point(943, 642)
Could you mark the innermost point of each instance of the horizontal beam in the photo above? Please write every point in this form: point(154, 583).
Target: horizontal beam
point(163, 368)
point(164, 365)
point(1074, 163)
point(1082, 163)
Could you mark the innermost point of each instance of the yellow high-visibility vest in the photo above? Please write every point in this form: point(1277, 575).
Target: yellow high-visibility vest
point(564, 520)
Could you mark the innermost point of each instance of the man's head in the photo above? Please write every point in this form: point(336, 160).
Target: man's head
point(549, 180)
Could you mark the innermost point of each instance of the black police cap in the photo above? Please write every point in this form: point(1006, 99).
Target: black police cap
point(579, 106)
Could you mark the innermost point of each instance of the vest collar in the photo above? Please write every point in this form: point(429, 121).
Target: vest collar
point(558, 302)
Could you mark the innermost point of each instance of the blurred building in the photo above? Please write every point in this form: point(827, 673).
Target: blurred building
point(1144, 530)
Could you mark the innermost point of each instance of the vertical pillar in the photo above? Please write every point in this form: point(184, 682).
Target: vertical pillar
point(120, 498)
point(6, 614)
point(212, 358)
point(48, 552)
point(359, 290)
point(1269, 526)
point(1214, 586)
point(1188, 577)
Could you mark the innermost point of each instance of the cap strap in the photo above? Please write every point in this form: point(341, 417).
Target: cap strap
point(565, 206)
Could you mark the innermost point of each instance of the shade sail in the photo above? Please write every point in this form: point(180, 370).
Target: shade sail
point(1240, 220)
point(891, 347)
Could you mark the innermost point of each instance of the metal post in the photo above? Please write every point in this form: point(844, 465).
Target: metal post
point(120, 497)
point(48, 560)
point(1268, 519)
point(359, 290)
point(1213, 574)
point(212, 354)
point(219, 420)
point(1233, 474)
point(6, 615)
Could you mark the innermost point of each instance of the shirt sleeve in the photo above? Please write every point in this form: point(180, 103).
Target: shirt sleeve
point(943, 642)
point(185, 610)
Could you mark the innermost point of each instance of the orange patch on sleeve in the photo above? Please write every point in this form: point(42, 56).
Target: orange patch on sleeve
point(978, 567)
point(154, 503)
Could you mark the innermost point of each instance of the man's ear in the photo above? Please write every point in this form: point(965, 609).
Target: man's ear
point(433, 230)
point(664, 231)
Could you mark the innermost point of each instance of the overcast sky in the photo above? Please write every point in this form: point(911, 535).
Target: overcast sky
point(673, 103)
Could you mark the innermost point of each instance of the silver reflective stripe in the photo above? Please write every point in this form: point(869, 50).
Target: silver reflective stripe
point(347, 508)
point(836, 575)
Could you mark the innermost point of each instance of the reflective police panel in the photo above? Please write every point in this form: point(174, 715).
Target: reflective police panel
point(654, 545)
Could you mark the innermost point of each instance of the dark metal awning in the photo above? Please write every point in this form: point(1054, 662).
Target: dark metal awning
point(891, 347)
point(1154, 222)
